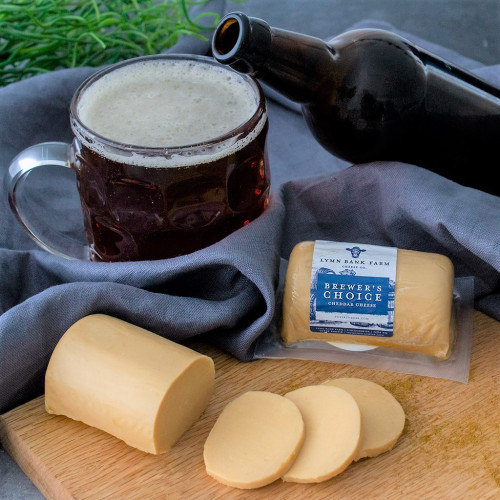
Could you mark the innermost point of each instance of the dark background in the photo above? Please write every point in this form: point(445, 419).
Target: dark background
point(471, 27)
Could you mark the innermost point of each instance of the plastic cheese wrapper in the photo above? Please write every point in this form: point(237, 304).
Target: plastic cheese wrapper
point(373, 306)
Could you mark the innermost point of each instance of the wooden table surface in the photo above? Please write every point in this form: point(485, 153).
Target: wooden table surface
point(450, 448)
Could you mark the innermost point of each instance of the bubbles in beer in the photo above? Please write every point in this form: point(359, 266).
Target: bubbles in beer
point(167, 104)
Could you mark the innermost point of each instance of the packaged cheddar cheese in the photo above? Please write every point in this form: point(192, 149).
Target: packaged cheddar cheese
point(375, 306)
point(369, 295)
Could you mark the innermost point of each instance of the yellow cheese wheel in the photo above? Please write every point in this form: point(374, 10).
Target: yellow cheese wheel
point(333, 429)
point(127, 381)
point(382, 417)
point(422, 311)
point(254, 441)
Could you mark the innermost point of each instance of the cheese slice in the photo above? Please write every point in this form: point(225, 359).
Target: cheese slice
point(333, 429)
point(422, 311)
point(127, 381)
point(254, 441)
point(382, 417)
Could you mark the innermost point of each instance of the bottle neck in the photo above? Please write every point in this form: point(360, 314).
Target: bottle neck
point(293, 64)
point(437, 64)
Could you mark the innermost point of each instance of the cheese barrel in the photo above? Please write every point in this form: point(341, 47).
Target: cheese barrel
point(127, 381)
point(423, 319)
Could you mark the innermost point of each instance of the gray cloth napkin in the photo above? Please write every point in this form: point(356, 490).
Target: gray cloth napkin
point(225, 293)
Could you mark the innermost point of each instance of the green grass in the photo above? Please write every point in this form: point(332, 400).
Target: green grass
point(38, 36)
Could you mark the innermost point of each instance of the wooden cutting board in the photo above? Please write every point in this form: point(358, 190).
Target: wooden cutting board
point(450, 448)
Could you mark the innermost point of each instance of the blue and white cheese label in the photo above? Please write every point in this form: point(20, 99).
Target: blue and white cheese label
point(352, 289)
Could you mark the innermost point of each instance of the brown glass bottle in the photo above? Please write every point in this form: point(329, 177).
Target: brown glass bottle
point(371, 95)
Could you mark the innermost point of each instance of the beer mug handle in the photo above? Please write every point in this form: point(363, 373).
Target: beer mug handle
point(35, 220)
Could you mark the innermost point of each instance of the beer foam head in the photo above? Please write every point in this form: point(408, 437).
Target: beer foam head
point(166, 103)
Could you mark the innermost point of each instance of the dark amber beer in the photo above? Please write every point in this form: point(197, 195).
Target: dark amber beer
point(169, 154)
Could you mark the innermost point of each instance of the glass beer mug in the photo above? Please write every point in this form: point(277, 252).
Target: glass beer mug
point(169, 153)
